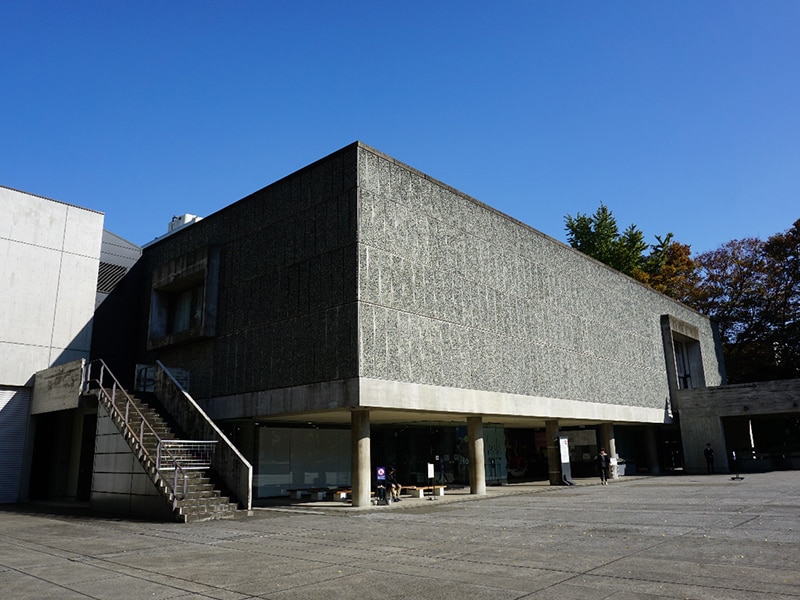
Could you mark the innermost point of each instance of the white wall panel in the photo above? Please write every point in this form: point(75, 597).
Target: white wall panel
point(14, 404)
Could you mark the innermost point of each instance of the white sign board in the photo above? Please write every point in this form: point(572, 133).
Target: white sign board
point(563, 444)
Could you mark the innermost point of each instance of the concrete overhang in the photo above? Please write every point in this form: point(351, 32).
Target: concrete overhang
point(57, 388)
point(410, 403)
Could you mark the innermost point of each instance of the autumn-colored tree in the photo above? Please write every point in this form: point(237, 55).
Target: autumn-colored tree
point(730, 291)
point(673, 274)
point(781, 315)
point(751, 289)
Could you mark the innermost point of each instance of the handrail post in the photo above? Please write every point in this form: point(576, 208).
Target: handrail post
point(158, 455)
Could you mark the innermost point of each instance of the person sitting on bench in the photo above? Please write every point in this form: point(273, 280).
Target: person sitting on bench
point(392, 485)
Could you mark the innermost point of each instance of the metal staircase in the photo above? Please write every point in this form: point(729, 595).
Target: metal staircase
point(179, 468)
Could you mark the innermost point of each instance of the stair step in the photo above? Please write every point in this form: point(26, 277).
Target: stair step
point(218, 507)
point(202, 501)
point(199, 517)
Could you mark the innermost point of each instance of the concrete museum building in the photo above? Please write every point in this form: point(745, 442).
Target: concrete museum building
point(358, 313)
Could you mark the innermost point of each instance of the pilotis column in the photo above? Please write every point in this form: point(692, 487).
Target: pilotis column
point(607, 435)
point(360, 458)
point(553, 452)
point(477, 469)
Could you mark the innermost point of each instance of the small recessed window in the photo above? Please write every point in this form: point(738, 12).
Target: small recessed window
point(183, 305)
point(185, 309)
point(682, 365)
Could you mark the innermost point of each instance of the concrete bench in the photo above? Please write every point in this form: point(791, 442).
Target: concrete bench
point(342, 494)
point(315, 493)
point(345, 493)
point(418, 491)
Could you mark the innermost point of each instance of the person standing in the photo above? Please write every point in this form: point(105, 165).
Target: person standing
point(603, 462)
point(709, 454)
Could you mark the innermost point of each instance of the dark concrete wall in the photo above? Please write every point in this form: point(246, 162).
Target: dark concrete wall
point(286, 299)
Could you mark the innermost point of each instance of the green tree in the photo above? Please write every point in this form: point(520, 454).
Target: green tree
point(667, 267)
point(598, 236)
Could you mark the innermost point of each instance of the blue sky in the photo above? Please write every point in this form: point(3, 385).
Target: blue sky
point(680, 116)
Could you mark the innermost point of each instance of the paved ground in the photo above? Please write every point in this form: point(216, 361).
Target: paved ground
point(667, 537)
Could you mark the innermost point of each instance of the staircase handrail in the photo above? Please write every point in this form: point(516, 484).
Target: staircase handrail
point(230, 464)
point(86, 387)
point(193, 455)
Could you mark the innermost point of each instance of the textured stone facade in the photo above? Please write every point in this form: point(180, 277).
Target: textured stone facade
point(285, 305)
point(453, 293)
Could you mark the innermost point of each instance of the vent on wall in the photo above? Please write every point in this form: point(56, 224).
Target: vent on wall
point(109, 276)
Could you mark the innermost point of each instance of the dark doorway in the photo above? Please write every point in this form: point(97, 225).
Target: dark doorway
point(86, 465)
point(50, 464)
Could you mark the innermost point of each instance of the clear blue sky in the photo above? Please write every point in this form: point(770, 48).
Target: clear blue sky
point(680, 116)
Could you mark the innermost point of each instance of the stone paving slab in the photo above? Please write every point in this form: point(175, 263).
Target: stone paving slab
point(698, 537)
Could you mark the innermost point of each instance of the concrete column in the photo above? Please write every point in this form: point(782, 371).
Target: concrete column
point(553, 452)
point(607, 436)
point(477, 469)
point(360, 467)
point(652, 450)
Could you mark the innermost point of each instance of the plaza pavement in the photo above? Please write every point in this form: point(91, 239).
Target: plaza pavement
point(699, 537)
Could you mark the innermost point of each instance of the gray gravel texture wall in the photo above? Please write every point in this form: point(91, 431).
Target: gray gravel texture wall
point(454, 293)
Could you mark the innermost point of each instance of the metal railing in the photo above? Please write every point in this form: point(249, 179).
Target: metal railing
point(184, 455)
point(228, 462)
point(190, 454)
point(174, 455)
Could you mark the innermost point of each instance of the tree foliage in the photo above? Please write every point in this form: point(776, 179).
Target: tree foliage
point(666, 266)
point(750, 287)
point(599, 237)
point(671, 270)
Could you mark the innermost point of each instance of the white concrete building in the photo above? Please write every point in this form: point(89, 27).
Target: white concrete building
point(49, 256)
